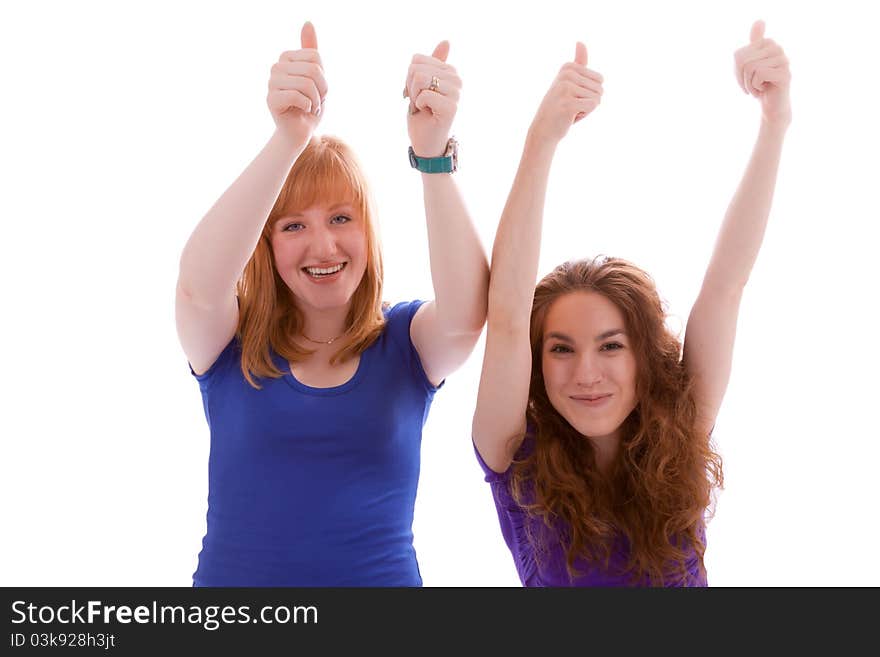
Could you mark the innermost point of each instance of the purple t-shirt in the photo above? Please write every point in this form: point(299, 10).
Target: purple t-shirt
point(545, 565)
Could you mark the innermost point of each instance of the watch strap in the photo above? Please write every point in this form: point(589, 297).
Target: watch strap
point(442, 164)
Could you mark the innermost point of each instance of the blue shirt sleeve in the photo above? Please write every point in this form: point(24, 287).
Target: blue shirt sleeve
point(229, 357)
point(398, 321)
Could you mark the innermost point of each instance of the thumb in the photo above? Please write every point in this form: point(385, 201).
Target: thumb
point(308, 37)
point(580, 54)
point(757, 31)
point(441, 52)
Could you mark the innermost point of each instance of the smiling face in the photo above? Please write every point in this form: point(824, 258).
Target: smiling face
point(321, 254)
point(588, 364)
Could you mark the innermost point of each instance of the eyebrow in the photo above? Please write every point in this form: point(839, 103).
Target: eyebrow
point(602, 336)
point(338, 206)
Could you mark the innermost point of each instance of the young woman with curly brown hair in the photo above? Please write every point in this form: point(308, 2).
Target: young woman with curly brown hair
point(593, 421)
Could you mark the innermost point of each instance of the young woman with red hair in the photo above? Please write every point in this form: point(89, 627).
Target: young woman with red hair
point(314, 390)
point(593, 421)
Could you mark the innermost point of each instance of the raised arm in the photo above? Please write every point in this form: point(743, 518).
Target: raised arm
point(221, 244)
point(500, 417)
point(445, 330)
point(762, 70)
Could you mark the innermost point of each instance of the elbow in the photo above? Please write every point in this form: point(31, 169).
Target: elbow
point(185, 294)
point(466, 333)
point(477, 320)
point(474, 321)
point(185, 287)
point(190, 292)
point(187, 283)
point(466, 321)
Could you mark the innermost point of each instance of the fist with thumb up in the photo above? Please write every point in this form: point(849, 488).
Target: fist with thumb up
point(297, 89)
point(762, 70)
point(575, 92)
point(433, 88)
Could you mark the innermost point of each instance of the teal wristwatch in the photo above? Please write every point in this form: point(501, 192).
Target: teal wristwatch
point(447, 163)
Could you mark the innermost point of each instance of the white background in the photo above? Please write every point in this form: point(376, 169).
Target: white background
point(122, 123)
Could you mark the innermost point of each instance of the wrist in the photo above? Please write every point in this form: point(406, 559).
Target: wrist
point(429, 150)
point(776, 127)
point(295, 144)
point(445, 162)
point(539, 142)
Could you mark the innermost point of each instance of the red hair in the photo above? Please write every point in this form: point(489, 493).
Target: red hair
point(327, 170)
point(659, 489)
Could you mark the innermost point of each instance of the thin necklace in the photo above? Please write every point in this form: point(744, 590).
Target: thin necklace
point(330, 341)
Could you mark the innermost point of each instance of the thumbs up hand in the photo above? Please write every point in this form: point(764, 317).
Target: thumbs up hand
point(433, 88)
point(297, 89)
point(762, 70)
point(576, 91)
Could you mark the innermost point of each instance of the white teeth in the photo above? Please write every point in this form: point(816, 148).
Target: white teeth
point(317, 271)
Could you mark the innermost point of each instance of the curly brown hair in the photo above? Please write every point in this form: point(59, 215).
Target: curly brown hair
point(659, 491)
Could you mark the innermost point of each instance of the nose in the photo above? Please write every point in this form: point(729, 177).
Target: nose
point(588, 372)
point(323, 243)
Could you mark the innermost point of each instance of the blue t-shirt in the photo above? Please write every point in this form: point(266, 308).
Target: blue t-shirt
point(316, 486)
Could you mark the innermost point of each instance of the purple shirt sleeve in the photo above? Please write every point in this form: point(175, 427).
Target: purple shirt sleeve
point(512, 518)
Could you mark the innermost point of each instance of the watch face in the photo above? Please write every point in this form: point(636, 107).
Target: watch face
point(452, 151)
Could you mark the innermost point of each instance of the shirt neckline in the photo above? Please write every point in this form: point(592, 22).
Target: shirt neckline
point(354, 381)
